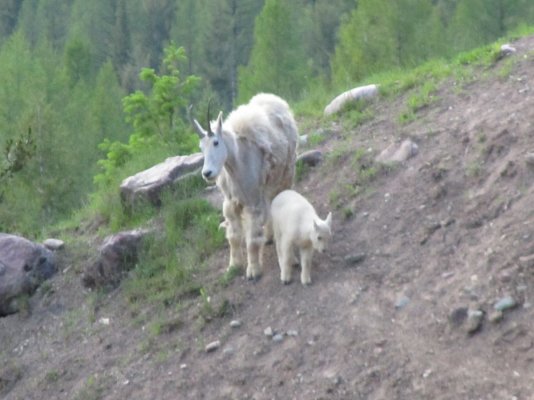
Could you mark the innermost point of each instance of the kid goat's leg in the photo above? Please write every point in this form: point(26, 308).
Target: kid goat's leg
point(285, 259)
point(306, 261)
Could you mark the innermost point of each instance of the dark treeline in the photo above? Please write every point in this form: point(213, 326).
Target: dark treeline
point(67, 65)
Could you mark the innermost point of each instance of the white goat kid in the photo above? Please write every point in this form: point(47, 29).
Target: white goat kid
point(298, 228)
point(251, 156)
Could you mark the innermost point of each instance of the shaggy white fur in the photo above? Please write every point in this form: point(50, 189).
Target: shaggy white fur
point(251, 157)
point(297, 227)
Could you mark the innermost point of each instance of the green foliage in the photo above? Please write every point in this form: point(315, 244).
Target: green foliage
point(158, 120)
point(169, 265)
point(77, 60)
point(277, 63)
point(422, 98)
point(17, 154)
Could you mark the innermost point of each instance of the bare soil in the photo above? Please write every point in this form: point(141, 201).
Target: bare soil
point(387, 314)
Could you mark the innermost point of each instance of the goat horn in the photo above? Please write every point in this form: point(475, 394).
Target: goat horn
point(210, 132)
point(198, 128)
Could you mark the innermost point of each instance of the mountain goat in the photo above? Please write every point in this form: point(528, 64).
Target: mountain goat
point(251, 157)
point(297, 227)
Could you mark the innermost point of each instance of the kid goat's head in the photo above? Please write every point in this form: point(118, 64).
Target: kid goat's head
point(211, 145)
point(322, 233)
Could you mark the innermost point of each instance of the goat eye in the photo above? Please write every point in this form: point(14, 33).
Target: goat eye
point(319, 238)
point(215, 143)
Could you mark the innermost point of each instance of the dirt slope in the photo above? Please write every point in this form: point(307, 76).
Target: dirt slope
point(386, 316)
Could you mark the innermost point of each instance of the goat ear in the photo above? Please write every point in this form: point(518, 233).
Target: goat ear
point(329, 220)
point(316, 224)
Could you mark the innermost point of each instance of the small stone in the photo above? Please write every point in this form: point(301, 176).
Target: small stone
point(292, 333)
point(183, 366)
point(53, 244)
point(402, 302)
point(311, 158)
point(506, 50)
point(527, 261)
point(228, 350)
point(474, 321)
point(278, 337)
point(529, 159)
point(268, 332)
point(213, 346)
point(235, 323)
point(458, 316)
point(353, 259)
point(495, 317)
point(506, 303)
point(104, 321)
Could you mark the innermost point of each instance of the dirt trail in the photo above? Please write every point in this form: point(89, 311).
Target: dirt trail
point(386, 316)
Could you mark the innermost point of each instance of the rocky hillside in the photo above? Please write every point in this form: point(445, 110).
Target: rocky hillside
point(425, 293)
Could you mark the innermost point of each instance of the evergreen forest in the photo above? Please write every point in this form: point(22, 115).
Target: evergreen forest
point(93, 91)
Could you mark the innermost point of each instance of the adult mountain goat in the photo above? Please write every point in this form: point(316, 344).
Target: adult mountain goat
point(251, 156)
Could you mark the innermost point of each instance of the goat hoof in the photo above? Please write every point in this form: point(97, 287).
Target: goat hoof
point(286, 282)
point(254, 278)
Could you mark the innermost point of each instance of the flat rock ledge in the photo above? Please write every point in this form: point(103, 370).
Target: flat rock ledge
point(149, 184)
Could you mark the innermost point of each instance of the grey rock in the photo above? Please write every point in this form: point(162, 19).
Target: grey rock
point(117, 255)
point(351, 96)
point(506, 50)
point(527, 261)
point(213, 346)
point(395, 153)
point(529, 159)
point(268, 332)
point(495, 317)
point(311, 158)
point(458, 316)
point(292, 333)
point(474, 321)
point(54, 244)
point(235, 323)
point(402, 302)
point(356, 258)
point(24, 265)
point(506, 303)
point(149, 184)
point(278, 337)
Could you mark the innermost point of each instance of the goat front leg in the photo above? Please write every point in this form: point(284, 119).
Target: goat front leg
point(255, 241)
point(305, 263)
point(234, 234)
point(285, 257)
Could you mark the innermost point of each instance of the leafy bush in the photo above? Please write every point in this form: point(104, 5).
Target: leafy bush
point(158, 119)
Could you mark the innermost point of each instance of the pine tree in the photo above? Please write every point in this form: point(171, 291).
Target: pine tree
point(8, 17)
point(277, 63)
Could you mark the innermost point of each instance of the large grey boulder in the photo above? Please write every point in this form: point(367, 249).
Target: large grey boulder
point(148, 184)
point(350, 96)
point(311, 158)
point(24, 265)
point(398, 153)
point(116, 256)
